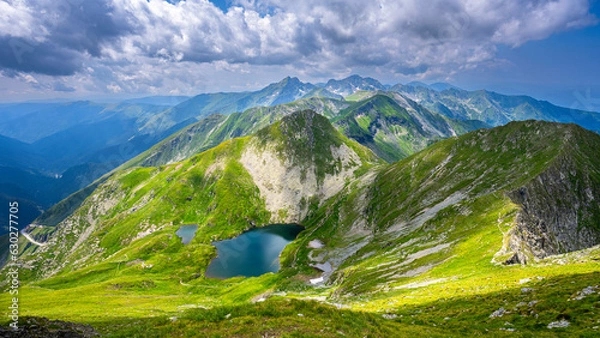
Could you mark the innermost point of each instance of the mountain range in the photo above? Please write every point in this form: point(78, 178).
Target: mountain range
point(469, 215)
point(89, 139)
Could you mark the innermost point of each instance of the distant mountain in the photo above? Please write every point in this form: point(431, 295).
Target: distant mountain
point(495, 109)
point(441, 86)
point(416, 84)
point(49, 119)
point(438, 86)
point(15, 153)
point(322, 92)
point(71, 145)
point(52, 121)
point(287, 90)
point(10, 111)
point(168, 101)
point(215, 129)
point(100, 136)
point(284, 91)
point(353, 84)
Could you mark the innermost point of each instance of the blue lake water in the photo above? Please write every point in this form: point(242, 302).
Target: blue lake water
point(252, 253)
point(187, 232)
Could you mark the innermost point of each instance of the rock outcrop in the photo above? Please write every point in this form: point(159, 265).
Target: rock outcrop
point(560, 211)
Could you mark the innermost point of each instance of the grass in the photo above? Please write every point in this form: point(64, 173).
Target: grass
point(359, 95)
point(281, 317)
point(454, 308)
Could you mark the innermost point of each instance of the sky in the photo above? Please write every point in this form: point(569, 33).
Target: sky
point(77, 49)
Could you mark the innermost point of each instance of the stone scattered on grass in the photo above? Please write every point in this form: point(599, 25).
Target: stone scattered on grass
point(315, 281)
point(147, 266)
point(499, 313)
point(590, 290)
point(316, 244)
point(526, 290)
point(389, 316)
point(559, 324)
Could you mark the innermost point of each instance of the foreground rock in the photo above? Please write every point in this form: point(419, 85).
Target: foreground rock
point(42, 327)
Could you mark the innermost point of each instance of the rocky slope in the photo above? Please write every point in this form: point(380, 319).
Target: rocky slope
point(559, 208)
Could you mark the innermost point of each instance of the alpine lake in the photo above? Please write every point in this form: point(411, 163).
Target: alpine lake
point(253, 253)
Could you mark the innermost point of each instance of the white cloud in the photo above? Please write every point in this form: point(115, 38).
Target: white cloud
point(157, 45)
point(17, 19)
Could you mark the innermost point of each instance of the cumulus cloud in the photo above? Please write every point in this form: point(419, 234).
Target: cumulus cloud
point(57, 37)
point(131, 45)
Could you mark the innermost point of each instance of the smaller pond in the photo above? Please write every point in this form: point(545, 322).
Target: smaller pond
point(252, 253)
point(187, 232)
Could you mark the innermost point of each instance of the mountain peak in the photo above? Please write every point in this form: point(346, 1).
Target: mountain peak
point(352, 84)
point(417, 84)
point(304, 126)
point(307, 121)
point(287, 90)
point(293, 79)
point(289, 80)
point(307, 139)
point(355, 77)
point(441, 86)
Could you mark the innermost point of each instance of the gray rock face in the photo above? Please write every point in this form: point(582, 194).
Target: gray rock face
point(42, 327)
point(560, 210)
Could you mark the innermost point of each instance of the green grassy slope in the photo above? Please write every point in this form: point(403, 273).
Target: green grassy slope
point(132, 215)
point(394, 131)
point(429, 228)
